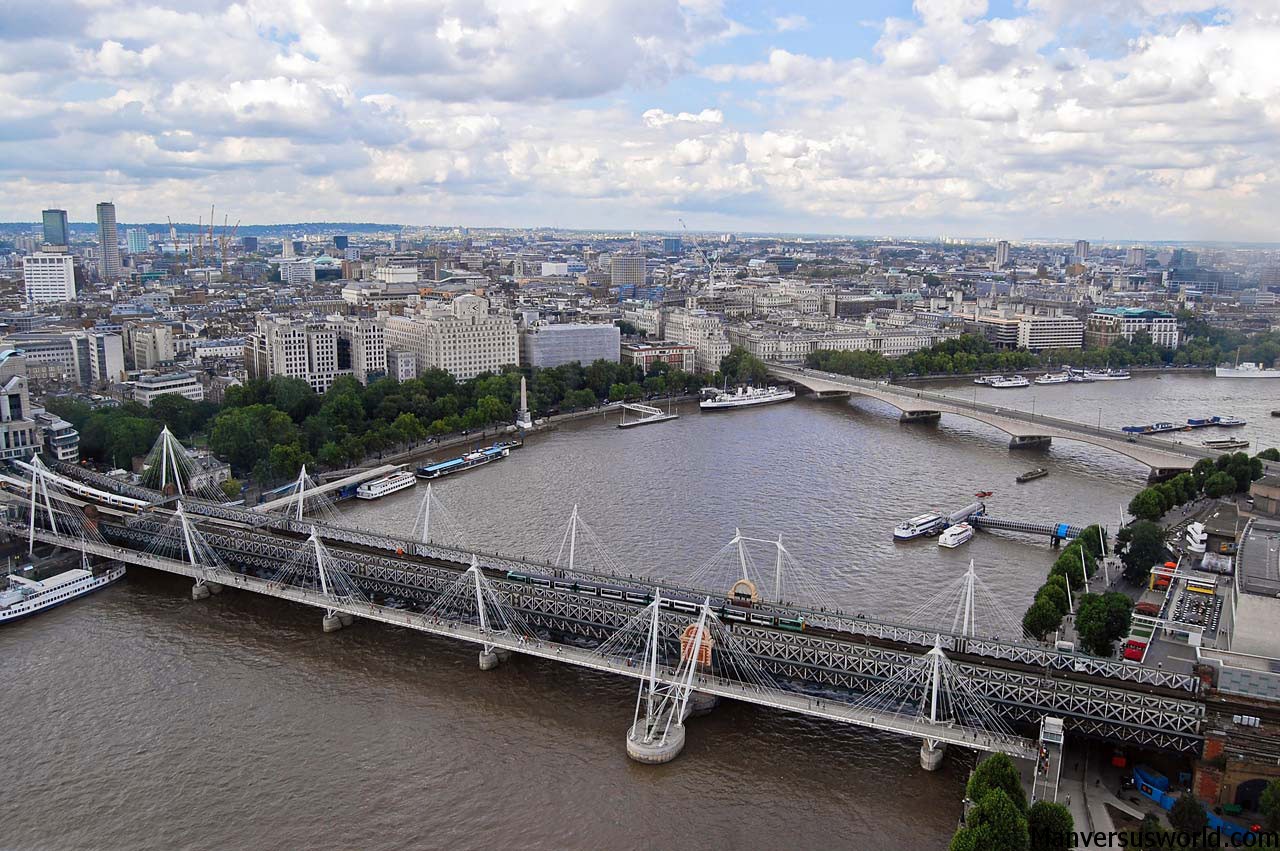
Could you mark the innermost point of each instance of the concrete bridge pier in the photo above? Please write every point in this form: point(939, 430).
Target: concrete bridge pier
point(1030, 441)
point(214, 587)
point(1163, 474)
point(200, 591)
point(649, 745)
point(489, 658)
point(331, 623)
point(701, 703)
point(347, 620)
point(920, 416)
point(931, 754)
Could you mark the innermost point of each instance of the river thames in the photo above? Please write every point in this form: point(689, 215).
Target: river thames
point(137, 718)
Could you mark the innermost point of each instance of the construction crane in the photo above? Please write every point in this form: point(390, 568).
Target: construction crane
point(224, 240)
point(173, 237)
point(709, 258)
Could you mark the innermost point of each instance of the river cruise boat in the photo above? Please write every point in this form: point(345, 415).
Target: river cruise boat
point(955, 535)
point(391, 483)
point(1230, 422)
point(1226, 443)
point(1107, 375)
point(746, 397)
point(919, 527)
point(1032, 475)
point(1245, 370)
point(465, 462)
point(24, 597)
point(1054, 378)
point(1003, 383)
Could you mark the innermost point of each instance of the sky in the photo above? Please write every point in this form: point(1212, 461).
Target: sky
point(1096, 119)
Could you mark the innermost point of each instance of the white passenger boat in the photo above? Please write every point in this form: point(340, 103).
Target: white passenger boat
point(955, 535)
point(919, 526)
point(1107, 375)
point(397, 481)
point(25, 597)
point(1004, 383)
point(745, 397)
point(1054, 378)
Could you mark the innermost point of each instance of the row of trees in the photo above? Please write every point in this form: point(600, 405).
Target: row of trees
point(1101, 619)
point(999, 819)
point(1216, 478)
point(1203, 343)
point(116, 435)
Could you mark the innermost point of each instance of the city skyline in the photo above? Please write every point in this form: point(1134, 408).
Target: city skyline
point(1001, 120)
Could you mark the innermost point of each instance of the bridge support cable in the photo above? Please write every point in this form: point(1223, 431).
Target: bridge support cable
point(969, 608)
point(435, 524)
point(471, 600)
point(307, 500)
point(783, 580)
point(569, 556)
point(180, 540)
point(313, 568)
point(49, 506)
point(172, 469)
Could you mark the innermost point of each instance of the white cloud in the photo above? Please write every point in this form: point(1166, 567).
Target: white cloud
point(584, 112)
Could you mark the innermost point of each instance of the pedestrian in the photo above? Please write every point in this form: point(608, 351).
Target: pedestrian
point(1068, 799)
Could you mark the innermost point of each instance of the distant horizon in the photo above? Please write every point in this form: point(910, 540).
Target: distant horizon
point(346, 228)
point(1153, 122)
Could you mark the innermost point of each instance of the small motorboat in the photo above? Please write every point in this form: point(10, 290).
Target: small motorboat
point(1030, 475)
point(955, 535)
point(983, 494)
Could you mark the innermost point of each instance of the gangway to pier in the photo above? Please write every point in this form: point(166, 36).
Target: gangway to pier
point(1056, 531)
point(648, 414)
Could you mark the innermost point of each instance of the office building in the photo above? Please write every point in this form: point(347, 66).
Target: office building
point(249, 244)
point(149, 345)
point(19, 433)
point(1036, 333)
point(293, 348)
point(548, 345)
point(1106, 325)
point(1136, 258)
point(137, 240)
point(675, 355)
point(361, 347)
point(295, 272)
point(1002, 254)
point(1082, 250)
point(48, 276)
point(700, 329)
point(87, 358)
point(58, 437)
point(56, 231)
point(627, 269)
point(148, 388)
point(671, 246)
point(108, 242)
point(401, 365)
point(341, 242)
point(462, 338)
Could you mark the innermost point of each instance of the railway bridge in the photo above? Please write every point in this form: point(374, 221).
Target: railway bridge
point(1165, 458)
point(687, 647)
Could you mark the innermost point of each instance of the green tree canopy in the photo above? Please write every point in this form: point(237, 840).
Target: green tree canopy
point(1147, 504)
point(245, 436)
point(1220, 484)
point(994, 823)
point(997, 771)
point(1188, 816)
point(1051, 826)
point(1101, 619)
point(1042, 617)
point(1143, 547)
point(1270, 806)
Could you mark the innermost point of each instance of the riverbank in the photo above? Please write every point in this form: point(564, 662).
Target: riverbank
point(1040, 370)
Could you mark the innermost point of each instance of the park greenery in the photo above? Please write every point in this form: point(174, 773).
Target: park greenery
point(1214, 478)
point(1204, 346)
point(1064, 584)
point(999, 819)
point(269, 429)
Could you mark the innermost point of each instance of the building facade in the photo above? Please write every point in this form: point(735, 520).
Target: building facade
point(87, 358)
point(55, 227)
point(547, 345)
point(464, 338)
point(627, 269)
point(644, 355)
point(148, 388)
point(19, 432)
point(108, 241)
point(700, 329)
point(1106, 325)
point(49, 276)
point(1036, 333)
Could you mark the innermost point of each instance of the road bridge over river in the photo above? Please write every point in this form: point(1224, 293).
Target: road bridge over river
point(1164, 457)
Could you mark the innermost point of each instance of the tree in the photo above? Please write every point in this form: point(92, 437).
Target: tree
point(1051, 826)
point(997, 772)
point(1144, 547)
point(994, 823)
point(1270, 806)
point(1202, 470)
point(177, 412)
point(742, 367)
point(1147, 504)
point(1042, 617)
point(245, 436)
point(293, 396)
point(1054, 591)
point(1101, 619)
point(231, 488)
point(1149, 833)
point(1220, 484)
point(1188, 816)
point(1271, 454)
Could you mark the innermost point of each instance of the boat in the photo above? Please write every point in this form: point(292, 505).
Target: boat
point(1246, 370)
point(24, 597)
point(745, 397)
point(1226, 443)
point(1142, 429)
point(1032, 475)
point(983, 494)
point(465, 462)
point(1003, 383)
point(986, 379)
point(1162, 427)
point(954, 536)
point(1229, 422)
point(397, 481)
point(1107, 375)
point(1275, 413)
point(919, 527)
point(1054, 378)
point(1202, 422)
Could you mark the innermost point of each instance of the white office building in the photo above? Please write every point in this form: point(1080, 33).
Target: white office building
point(48, 277)
point(148, 388)
point(1050, 332)
point(462, 338)
point(547, 345)
point(88, 358)
point(294, 272)
point(700, 329)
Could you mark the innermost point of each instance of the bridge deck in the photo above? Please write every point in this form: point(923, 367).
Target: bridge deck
point(774, 698)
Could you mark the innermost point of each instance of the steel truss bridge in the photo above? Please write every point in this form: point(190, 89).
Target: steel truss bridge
point(855, 670)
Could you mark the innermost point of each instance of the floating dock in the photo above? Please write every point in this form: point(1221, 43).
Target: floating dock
point(648, 414)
